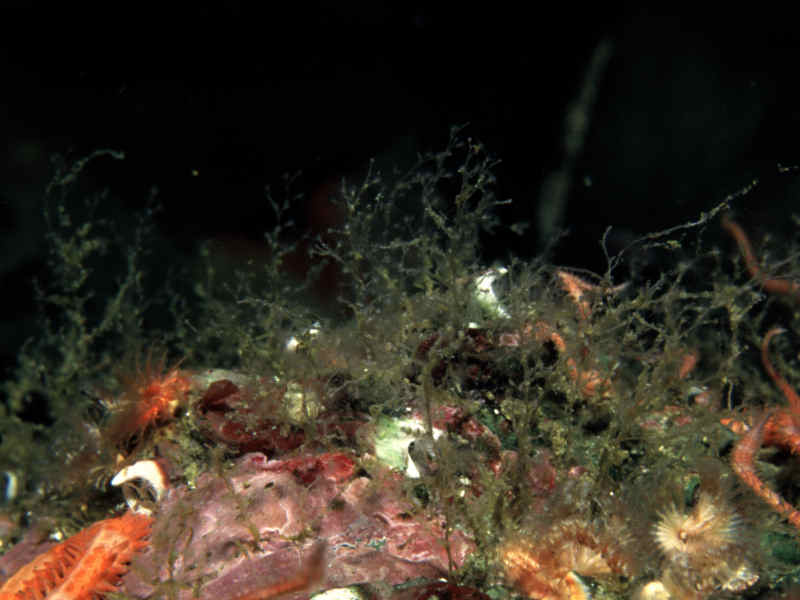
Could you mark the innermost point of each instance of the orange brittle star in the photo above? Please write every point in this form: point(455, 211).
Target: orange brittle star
point(779, 427)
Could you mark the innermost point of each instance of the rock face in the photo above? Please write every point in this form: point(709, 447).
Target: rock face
point(264, 523)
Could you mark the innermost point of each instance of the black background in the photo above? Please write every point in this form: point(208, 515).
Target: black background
point(212, 104)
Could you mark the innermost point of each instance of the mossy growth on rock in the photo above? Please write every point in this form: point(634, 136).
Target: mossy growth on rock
point(523, 399)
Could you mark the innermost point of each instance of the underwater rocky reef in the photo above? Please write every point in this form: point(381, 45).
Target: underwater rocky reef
point(444, 428)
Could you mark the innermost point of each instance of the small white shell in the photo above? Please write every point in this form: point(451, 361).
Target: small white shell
point(11, 487)
point(152, 473)
point(345, 593)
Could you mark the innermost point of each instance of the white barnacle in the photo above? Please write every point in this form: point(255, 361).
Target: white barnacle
point(151, 473)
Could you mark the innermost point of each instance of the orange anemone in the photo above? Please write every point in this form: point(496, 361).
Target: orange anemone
point(150, 397)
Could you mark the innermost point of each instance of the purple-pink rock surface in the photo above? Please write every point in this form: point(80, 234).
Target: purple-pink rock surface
point(250, 529)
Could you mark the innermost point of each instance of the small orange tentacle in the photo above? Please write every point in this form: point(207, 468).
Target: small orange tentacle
point(788, 391)
point(772, 285)
point(746, 249)
point(742, 462)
